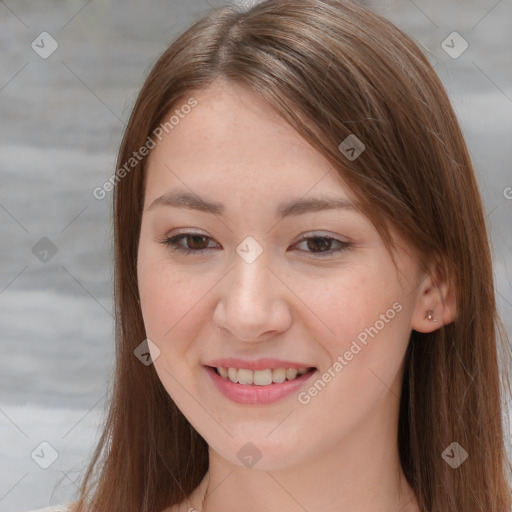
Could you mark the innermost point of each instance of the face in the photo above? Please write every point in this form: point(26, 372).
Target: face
point(305, 287)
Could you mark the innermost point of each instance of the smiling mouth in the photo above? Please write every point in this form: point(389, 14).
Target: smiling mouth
point(265, 377)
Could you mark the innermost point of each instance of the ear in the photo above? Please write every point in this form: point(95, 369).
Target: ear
point(436, 304)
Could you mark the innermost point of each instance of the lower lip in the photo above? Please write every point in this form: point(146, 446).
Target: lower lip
point(252, 394)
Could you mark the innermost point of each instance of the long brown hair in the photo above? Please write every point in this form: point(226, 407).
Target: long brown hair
point(330, 68)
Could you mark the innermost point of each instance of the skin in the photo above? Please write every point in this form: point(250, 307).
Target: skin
point(339, 451)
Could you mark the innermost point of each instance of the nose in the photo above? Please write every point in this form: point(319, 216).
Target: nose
point(253, 305)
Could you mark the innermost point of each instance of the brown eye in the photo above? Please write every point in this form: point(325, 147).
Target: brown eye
point(322, 245)
point(194, 243)
point(319, 244)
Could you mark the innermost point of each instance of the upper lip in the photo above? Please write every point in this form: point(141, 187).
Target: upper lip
point(258, 364)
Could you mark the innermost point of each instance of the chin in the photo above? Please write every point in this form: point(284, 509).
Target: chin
point(256, 452)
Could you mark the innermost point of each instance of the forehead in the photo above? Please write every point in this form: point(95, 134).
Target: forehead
point(233, 142)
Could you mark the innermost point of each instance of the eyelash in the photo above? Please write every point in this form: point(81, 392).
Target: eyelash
point(172, 242)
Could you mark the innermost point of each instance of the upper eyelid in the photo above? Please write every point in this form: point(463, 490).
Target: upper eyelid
point(174, 243)
point(178, 237)
point(312, 234)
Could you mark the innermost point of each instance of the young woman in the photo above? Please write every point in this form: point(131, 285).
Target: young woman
point(305, 306)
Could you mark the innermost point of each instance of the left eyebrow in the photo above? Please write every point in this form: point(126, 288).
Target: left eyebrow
point(286, 209)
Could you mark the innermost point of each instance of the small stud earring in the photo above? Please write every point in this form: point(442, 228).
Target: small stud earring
point(429, 315)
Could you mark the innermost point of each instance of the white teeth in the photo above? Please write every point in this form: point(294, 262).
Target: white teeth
point(260, 377)
point(278, 374)
point(233, 374)
point(291, 373)
point(245, 376)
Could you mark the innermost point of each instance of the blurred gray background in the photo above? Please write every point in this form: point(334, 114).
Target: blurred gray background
point(61, 121)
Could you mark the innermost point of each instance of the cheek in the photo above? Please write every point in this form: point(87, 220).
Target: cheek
point(158, 289)
point(351, 301)
point(169, 303)
point(367, 316)
point(172, 302)
point(164, 293)
point(155, 292)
